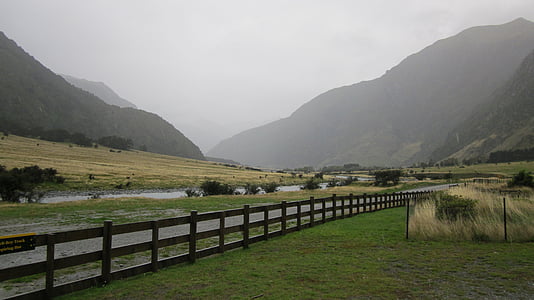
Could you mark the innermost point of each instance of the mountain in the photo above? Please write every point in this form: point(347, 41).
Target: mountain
point(504, 123)
point(397, 119)
point(32, 96)
point(99, 89)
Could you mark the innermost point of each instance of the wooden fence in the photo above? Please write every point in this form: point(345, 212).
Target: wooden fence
point(286, 217)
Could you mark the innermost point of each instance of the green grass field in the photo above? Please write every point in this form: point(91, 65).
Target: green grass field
point(143, 169)
point(364, 257)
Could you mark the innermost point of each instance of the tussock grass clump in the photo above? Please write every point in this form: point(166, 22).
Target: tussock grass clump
point(480, 219)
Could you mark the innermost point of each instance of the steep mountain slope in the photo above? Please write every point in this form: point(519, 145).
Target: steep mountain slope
point(505, 123)
point(32, 96)
point(399, 118)
point(99, 89)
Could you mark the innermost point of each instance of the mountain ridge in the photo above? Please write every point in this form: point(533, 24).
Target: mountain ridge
point(398, 118)
point(99, 89)
point(505, 123)
point(32, 96)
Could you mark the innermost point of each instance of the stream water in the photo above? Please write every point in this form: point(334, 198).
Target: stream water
point(55, 197)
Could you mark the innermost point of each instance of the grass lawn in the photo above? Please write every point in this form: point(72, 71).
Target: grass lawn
point(362, 257)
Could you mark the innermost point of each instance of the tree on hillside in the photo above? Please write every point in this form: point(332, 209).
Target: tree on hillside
point(116, 142)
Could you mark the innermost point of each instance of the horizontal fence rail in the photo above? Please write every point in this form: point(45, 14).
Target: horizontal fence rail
point(252, 224)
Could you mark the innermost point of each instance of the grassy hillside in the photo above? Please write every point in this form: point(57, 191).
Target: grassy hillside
point(143, 169)
point(32, 97)
point(365, 257)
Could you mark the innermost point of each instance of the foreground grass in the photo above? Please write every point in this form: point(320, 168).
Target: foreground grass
point(362, 257)
point(143, 170)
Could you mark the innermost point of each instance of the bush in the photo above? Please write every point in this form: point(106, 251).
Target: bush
point(192, 193)
point(20, 183)
point(522, 179)
point(311, 184)
point(252, 189)
point(384, 177)
point(270, 187)
point(342, 182)
point(212, 187)
point(333, 183)
point(452, 208)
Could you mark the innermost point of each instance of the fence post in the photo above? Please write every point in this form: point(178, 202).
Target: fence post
point(266, 222)
point(343, 207)
point(284, 215)
point(334, 207)
point(246, 223)
point(351, 204)
point(504, 215)
point(106, 252)
point(222, 225)
point(49, 280)
point(323, 210)
point(312, 211)
point(155, 240)
point(193, 236)
point(364, 202)
point(299, 215)
point(357, 204)
point(380, 199)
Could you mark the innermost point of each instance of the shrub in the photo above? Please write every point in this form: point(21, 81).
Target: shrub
point(270, 187)
point(310, 184)
point(452, 208)
point(522, 179)
point(384, 177)
point(252, 189)
point(212, 187)
point(333, 183)
point(192, 193)
point(20, 183)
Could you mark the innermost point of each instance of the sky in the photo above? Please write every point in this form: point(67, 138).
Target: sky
point(215, 68)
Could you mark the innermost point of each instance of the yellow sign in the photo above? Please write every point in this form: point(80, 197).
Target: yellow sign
point(17, 243)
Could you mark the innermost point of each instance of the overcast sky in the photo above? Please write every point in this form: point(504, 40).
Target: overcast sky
point(226, 66)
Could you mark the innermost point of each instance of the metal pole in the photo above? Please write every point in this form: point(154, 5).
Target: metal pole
point(407, 214)
point(504, 214)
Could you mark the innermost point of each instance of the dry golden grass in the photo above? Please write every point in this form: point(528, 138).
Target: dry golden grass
point(142, 169)
point(487, 223)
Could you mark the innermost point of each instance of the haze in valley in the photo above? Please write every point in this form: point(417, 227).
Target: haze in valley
point(215, 68)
